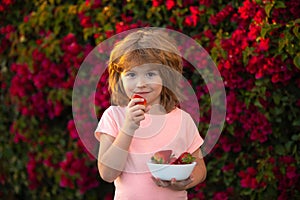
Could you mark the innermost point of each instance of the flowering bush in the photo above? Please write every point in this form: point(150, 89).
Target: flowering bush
point(255, 44)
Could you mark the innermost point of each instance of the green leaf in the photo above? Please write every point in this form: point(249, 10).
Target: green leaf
point(296, 31)
point(296, 137)
point(296, 61)
point(281, 44)
point(289, 145)
point(268, 9)
point(276, 99)
point(279, 4)
point(264, 31)
point(279, 149)
point(296, 122)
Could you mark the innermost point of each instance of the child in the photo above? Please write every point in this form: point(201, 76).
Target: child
point(147, 63)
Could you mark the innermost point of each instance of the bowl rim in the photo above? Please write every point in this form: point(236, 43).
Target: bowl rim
point(179, 165)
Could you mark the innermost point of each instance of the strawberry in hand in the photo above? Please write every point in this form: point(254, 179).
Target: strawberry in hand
point(138, 96)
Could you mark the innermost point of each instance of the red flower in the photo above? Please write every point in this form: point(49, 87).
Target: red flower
point(191, 20)
point(207, 3)
point(264, 44)
point(254, 31)
point(194, 10)
point(220, 16)
point(260, 15)
point(68, 39)
point(74, 48)
point(170, 4)
point(248, 10)
point(85, 21)
point(94, 3)
point(156, 3)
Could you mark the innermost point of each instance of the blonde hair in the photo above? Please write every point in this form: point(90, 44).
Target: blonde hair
point(144, 47)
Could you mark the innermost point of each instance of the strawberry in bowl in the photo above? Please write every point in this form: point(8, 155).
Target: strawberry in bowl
point(165, 166)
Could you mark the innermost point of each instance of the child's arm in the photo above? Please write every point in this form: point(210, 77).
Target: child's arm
point(113, 152)
point(199, 173)
point(112, 157)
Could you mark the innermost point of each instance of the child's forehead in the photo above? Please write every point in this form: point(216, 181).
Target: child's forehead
point(145, 67)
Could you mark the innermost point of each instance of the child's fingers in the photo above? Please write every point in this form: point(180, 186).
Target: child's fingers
point(138, 112)
point(134, 101)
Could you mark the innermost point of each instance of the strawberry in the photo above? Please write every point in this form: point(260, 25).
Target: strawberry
point(161, 157)
point(185, 158)
point(138, 96)
point(173, 160)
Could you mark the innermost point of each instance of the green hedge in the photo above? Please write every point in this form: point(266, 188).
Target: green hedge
point(255, 45)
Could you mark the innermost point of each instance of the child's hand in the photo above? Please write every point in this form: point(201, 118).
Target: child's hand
point(173, 184)
point(135, 113)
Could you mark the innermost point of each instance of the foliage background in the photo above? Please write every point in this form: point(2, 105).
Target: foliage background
point(255, 45)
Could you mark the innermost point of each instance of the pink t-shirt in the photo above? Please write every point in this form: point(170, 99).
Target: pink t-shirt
point(175, 130)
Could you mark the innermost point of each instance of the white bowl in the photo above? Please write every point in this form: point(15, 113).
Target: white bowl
point(167, 172)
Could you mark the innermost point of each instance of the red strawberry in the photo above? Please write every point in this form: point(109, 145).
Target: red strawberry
point(185, 158)
point(173, 160)
point(161, 157)
point(141, 103)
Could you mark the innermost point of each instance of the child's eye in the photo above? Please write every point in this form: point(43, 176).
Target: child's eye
point(130, 75)
point(151, 74)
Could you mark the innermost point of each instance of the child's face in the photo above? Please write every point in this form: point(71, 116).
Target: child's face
point(144, 80)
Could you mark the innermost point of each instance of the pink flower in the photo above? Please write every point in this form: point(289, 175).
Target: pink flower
point(223, 195)
point(248, 179)
point(228, 167)
point(31, 171)
point(74, 48)
point(287, 160)
point(68, 39)
point(72, 129)
point(66, 182)
point(109, 33)
point(220, 196)
point(291, 172)
point(40, 79)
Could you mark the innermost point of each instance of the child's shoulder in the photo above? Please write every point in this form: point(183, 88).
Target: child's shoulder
point(179, 110)
point(115, 109)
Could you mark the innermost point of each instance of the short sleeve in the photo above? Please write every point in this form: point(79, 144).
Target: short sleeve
point(107, 124)
point(193, 136)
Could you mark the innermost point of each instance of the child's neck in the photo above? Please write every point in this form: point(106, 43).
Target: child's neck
point(157, 109)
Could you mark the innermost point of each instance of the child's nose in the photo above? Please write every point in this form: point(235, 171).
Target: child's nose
point(141, 82)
